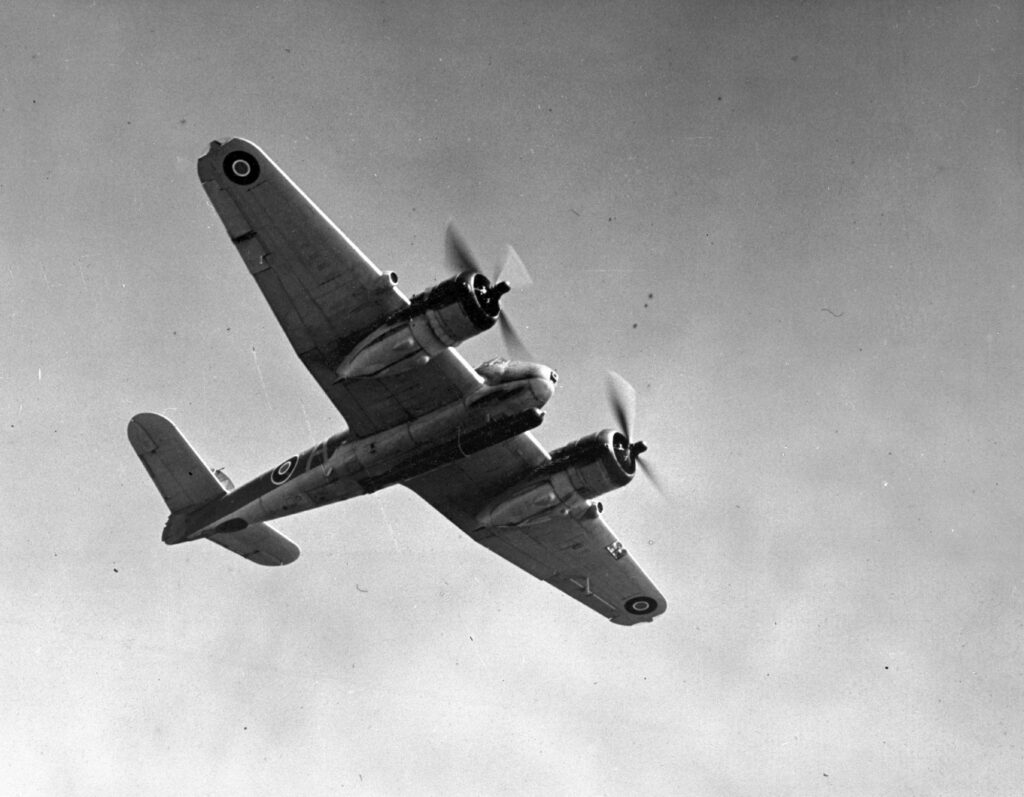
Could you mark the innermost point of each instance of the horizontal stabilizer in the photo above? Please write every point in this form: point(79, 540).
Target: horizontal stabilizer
point(259, 543)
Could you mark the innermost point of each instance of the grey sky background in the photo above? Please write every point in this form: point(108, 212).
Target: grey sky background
point(795, 228)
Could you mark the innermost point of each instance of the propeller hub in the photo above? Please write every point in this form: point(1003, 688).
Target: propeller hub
point(622, 397)
point(488, 294)
point(461, 260)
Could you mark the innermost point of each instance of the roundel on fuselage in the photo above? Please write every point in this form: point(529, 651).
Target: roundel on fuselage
point(241, 168)
point(283, 472)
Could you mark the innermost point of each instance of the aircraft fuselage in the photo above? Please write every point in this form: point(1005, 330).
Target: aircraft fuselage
point(340, 467)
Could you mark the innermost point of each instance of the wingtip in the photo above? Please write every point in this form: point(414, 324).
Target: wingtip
point(224, 141)
point(641, 609)
point(209, 164)
point(215, 146)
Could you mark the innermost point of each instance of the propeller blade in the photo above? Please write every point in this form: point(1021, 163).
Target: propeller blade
point(512, 340)
point(622, 397)
point(460, 258)
point(513, 270)
point(457, 252)
point(649, 473)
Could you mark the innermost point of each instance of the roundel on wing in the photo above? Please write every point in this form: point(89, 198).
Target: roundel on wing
point(283, 472)
point(241, 168)
point(641, 605)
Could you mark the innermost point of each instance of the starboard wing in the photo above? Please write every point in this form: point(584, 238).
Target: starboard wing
point(324, 291)
point(578, 555)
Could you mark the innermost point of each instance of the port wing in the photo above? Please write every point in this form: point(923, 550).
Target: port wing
point(324, 291)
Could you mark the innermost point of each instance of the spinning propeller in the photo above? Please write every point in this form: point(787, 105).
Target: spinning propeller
point(460, 259)
point(622, 397)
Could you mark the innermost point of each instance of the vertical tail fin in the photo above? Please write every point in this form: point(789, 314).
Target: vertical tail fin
point(186, 483)
point(180, 475)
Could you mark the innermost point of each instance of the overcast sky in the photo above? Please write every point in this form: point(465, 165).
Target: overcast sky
point(795, 228)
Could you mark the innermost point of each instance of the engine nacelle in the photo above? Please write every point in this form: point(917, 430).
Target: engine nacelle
point(448, 314)
point(584, 469)
point(596, 464)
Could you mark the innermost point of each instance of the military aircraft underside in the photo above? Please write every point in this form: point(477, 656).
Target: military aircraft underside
point(417, 414)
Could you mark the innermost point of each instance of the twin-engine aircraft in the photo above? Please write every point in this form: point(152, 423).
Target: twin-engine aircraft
point(417, 413)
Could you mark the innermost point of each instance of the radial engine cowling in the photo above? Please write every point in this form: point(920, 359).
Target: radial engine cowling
point(597, 463)
point(585, 469)
point(446, 315)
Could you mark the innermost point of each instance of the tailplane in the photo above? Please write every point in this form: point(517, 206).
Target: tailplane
point(187, 484)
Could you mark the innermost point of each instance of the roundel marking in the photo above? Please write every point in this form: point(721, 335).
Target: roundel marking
point(641, 605)
point(283, 472)
point(241, 168)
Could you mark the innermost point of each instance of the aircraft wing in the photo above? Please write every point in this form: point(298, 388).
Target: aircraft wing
point(325, 293)
point(578, 555)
